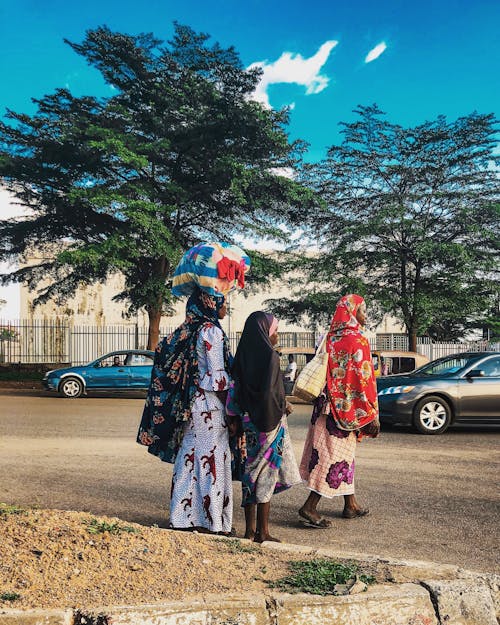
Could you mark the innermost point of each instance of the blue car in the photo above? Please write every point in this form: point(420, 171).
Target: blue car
point(121, 370)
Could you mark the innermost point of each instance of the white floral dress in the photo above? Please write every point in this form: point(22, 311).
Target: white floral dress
point(202, 493)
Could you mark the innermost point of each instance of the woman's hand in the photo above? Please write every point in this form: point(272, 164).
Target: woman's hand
point(372, 429)
point(222, 396)
point(288, 408)
point(234, 426)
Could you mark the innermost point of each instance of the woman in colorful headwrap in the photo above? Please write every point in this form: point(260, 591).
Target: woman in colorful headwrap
point(184, 420)
point(258, 397)
point(346, 411)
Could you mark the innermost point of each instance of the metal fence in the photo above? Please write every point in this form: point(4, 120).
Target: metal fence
point(27, 341)
point(58, 341)
point(433, 350)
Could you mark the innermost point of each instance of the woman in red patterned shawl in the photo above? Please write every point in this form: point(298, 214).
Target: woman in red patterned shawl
point(346, 411)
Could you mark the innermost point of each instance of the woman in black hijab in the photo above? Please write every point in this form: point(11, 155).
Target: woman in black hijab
point(258, 396)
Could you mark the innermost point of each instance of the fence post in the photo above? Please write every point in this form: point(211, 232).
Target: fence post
point(69, 339)
point(136, 336)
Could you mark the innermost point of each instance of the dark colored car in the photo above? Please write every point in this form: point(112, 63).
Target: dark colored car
point(124, 370)
point(461, 388)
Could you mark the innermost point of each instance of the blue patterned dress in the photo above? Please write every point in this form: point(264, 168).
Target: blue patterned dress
point(202, 494)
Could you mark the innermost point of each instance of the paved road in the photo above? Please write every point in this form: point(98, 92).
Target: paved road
point(431, 498)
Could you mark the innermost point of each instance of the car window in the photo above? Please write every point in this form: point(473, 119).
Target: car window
point(446, 366)
point(394, 364)
point(116, 360)
point(406, 365)
point(491, 367)
point(138, 360)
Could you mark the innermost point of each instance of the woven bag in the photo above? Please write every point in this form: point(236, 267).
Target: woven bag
point(312, 379)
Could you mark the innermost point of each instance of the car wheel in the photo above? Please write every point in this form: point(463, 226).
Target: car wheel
point(71, 387)
point(432, 415)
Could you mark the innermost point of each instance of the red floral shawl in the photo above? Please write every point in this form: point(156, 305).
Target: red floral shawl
point(352, 389)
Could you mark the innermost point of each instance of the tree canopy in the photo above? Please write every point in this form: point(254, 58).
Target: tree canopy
point(411, 221)
point(179, 153)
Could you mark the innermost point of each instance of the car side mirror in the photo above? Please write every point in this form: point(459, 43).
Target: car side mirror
point(475, 373)
point(98, 365)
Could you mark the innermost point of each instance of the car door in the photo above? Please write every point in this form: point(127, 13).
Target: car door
point(110, 372)
point(480, 396)
point(140, 366)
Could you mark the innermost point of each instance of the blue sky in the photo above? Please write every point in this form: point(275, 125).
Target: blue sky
point(438, 57)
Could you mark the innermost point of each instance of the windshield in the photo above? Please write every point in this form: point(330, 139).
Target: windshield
point(450, 365)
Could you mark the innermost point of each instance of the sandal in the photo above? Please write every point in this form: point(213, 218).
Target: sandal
point(352, 514)
point(308, 521)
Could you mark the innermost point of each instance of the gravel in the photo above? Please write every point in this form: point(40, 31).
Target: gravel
point(56, 559)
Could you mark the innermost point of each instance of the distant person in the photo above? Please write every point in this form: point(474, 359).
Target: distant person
point(258, 397)
point(116, 361)
point(346, 411)
point(291, 370)
point(384, 366)
point(289, 375)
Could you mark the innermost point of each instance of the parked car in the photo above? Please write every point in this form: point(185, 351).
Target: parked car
point(392, 362)
point(461, 388)
point(121, 370)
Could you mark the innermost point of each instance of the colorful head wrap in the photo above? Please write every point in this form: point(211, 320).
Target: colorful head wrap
point(201, 304)
point(344, 319)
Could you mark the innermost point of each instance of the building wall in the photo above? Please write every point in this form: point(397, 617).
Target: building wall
point(9, 293)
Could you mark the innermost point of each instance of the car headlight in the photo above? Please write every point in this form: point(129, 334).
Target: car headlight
point(396, 390)
point(48, 373)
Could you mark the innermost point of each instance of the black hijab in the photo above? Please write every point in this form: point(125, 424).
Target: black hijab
point(258, 384)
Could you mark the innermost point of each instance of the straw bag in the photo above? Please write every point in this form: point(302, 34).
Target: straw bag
point(311, 380)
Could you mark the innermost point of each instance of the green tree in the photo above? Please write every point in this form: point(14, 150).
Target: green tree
point(179, 153)
point(491, 325)
point(411, 222)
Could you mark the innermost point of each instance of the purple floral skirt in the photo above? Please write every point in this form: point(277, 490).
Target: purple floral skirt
point(327, 465)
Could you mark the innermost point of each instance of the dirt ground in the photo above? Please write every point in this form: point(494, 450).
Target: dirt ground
point(58, 559)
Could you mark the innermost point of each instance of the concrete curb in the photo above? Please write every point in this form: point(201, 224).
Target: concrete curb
point(406, 604)
point(409, 592)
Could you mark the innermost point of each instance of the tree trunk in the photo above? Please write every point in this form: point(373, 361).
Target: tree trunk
point(154, 328)
point(412, 341)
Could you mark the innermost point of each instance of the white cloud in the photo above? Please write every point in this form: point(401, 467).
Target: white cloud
point(376, 52)
point(294, 69)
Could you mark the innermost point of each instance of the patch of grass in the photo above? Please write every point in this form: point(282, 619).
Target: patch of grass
point(234, 545)
point(6, 509)
point(319, 576)
point(9, 596)
point(94, 526)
